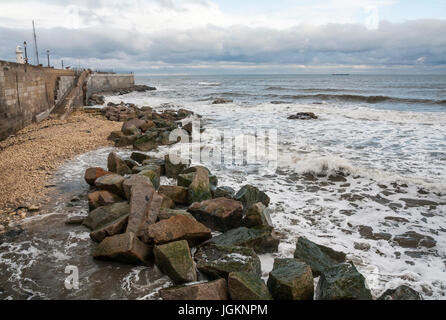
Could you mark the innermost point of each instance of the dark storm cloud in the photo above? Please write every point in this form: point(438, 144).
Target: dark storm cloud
point(414, 43)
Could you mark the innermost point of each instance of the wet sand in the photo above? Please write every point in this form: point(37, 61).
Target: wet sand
point(29, 158)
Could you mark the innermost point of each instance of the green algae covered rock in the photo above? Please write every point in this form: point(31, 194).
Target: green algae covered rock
point(318, 257)
point(175, 260)
point(342, 282)
point(249, 195)
point(291, 279)
point(246, 286)
point(260, 239)
point(219, 261)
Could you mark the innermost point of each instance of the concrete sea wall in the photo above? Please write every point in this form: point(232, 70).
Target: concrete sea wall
point(30, 93)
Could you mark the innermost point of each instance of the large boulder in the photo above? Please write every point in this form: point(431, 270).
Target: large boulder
point(165, 214)
point(125, 248)
point(132, 126)
point(224, 191)
point(139, 157)
point(101, 198)
point(260, 239)
point(179, 227)
point(155, 163)
point(318, 257)
point(91, 174)
point(401, 293)
point(106, 214)
point(185, 179)
point(220, 214)
point(153, 175)
point(111, 182)
point(214, 290)
point(145, 204)
point(250, 195)
point(117, 165)
point(146, 142)
point(174, 168)
point(199, 190)
point(134, 180)
point(291, 279)
point(246, 286)
point(257, 215)
point(219, 261)
point(177, 194)
point(342, 282)
point(110, 229)
point(175, 260)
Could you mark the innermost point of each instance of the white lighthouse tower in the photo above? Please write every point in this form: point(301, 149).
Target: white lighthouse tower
point(19, 55)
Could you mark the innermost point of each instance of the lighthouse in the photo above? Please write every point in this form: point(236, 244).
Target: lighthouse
point(19, 55)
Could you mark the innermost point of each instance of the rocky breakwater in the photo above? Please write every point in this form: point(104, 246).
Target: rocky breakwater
point(206, 238)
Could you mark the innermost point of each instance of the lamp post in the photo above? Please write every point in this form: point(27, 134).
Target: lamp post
point(26, 53)
point(48, 56)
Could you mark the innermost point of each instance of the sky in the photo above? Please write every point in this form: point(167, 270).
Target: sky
point(231, 36)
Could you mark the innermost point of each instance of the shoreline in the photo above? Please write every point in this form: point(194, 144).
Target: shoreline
point(29, 159)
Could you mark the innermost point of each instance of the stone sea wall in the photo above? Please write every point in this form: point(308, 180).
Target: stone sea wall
point(26, 92)
point(30, 93)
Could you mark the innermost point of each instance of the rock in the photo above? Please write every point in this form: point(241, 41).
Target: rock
point(173, 169)
point(291, 279)
point(125, 141)
point(131, 163)
point(110, 229)
point(75, 221)
point(261, 239)
point(342, 282)
point(34, 207)
point(111, 182)
point(139, 157)
point(91, 174)
point(146, 142)
point(145, 204)
point(226, 192)
point(222, 101)
point(124, 247)
point(367, 233)
point(214, 290)
point(257, 215)
point(167, 203)
point(153, 176)
point(134, 180)
point(318, 257)
point(132, 126)
point(303, 116)
point(220, 214)
point(155, 162)
point(102, 198)
point(115, 136)
point(106, 214)
point(401, 293)
point(116, 165)
point(177, 194)
point(199, 190)
point(411, 239)
point(250, 195)
point(246, 286)
point(165, 214)
point(219, 261)
point(185, 179)
point(179, 227)
point(175, 260)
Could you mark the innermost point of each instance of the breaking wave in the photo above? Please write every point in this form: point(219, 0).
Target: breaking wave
point(358, 98)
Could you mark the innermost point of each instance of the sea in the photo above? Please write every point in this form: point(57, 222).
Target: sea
point(367, 177)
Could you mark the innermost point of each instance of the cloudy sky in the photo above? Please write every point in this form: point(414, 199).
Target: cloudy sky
point(232, 36)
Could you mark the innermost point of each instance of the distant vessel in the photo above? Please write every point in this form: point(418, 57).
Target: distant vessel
point(340, 74)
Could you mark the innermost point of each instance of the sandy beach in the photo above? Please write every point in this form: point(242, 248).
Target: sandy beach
point(29, 158)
